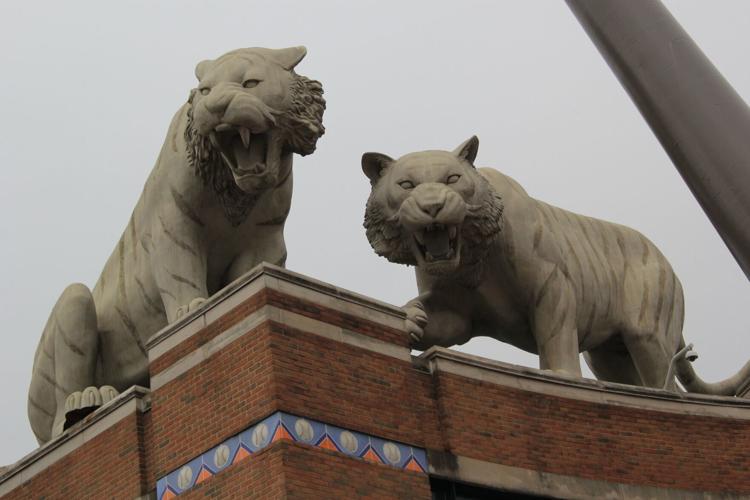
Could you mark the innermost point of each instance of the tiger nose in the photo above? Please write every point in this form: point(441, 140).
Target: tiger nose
point(431, 201)
point(217, 99)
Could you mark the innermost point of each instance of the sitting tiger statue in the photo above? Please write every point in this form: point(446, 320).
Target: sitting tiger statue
point(213, 207)
point(492, 261)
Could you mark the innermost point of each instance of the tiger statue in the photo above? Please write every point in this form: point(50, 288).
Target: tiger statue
point(213, 207)
point(492, 261)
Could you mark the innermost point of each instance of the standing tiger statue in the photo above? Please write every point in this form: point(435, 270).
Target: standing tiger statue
point(492, 261)
point(213, 207)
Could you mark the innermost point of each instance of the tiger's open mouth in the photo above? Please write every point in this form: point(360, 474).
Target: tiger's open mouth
point(437, 245)
point(249, 155)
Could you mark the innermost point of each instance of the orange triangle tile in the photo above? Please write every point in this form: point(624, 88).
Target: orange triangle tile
point(370, 456)
point(168, 495)
point(281, 433)
point(241, 453)
point(327, 444)
point(413, 465)
point(203, 475)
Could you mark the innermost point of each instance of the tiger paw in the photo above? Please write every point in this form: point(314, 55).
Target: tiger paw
point(81, 403)
point(194, 304)
point(416, 320)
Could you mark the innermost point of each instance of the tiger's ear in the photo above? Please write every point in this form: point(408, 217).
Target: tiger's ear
point(373, 165)
point(290, 57)
point(468, 149)
point(202, 67)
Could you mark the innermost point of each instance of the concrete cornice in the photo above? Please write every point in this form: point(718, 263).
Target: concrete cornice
point(439, 359)
point(267, 275)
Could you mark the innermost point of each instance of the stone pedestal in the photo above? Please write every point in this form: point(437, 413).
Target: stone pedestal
point(283, 386)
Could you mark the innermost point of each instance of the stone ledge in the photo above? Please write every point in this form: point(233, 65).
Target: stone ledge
point(269, 276)
point(135, 399)
point(439, 359)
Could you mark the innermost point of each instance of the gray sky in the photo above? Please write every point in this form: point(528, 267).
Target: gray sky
point(88, 89)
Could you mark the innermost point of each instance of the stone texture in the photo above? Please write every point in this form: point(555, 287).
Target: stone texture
point(213, 207)
point(493, 261)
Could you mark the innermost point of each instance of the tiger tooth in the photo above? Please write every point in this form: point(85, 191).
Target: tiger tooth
point(245, 134)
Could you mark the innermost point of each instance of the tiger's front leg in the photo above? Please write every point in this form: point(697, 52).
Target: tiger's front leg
point(434, 318)
point(179, 265)
point(554, 324)
point(268, 246)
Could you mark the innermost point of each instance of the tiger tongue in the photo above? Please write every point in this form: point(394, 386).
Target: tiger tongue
point(251, 158)
point(437, 242)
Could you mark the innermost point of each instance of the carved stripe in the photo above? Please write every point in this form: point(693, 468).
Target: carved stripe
point(551, 228)
point(185, 207)
point(53, 383)
point(66, 340)
point(601, 261)
point(538, 235)
point(585, 247)
point(121, 274)
point(621, 245)
point(133, 240)
point(176, 240)
point(146, 299)
point(174, 139)
point(146, 236)
point(644, 303)
point(589, 324)
point(582, 284)
point(186, 281)
point(603, 231)
point(130, 327)
point(646, 251)
point(543, 289)
point(40, 408)
point(44, 351)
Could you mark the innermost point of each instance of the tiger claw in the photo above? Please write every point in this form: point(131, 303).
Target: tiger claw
point(192, 306)
point(416, 320)
point(80, 403)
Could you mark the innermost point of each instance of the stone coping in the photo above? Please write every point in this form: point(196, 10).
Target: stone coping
point(270, 276)
point(134, 399)
point(440, 359)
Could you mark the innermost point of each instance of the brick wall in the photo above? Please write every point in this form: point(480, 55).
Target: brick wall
point(339, 360)
point(110, 465)
point(596, 441)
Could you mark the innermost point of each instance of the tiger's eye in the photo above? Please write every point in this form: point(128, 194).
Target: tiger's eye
point(406, 184)
point(452, 179)
point(250, 83)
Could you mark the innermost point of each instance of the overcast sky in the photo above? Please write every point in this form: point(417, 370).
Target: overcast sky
point(88, 90)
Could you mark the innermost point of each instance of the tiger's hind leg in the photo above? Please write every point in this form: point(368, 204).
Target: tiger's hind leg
point(65, 363)
point(650, 356)
point(611, 362)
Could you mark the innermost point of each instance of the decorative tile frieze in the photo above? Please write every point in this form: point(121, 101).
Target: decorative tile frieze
point(283, 426)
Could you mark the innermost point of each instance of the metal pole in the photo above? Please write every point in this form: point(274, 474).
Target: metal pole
point(700, 120)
